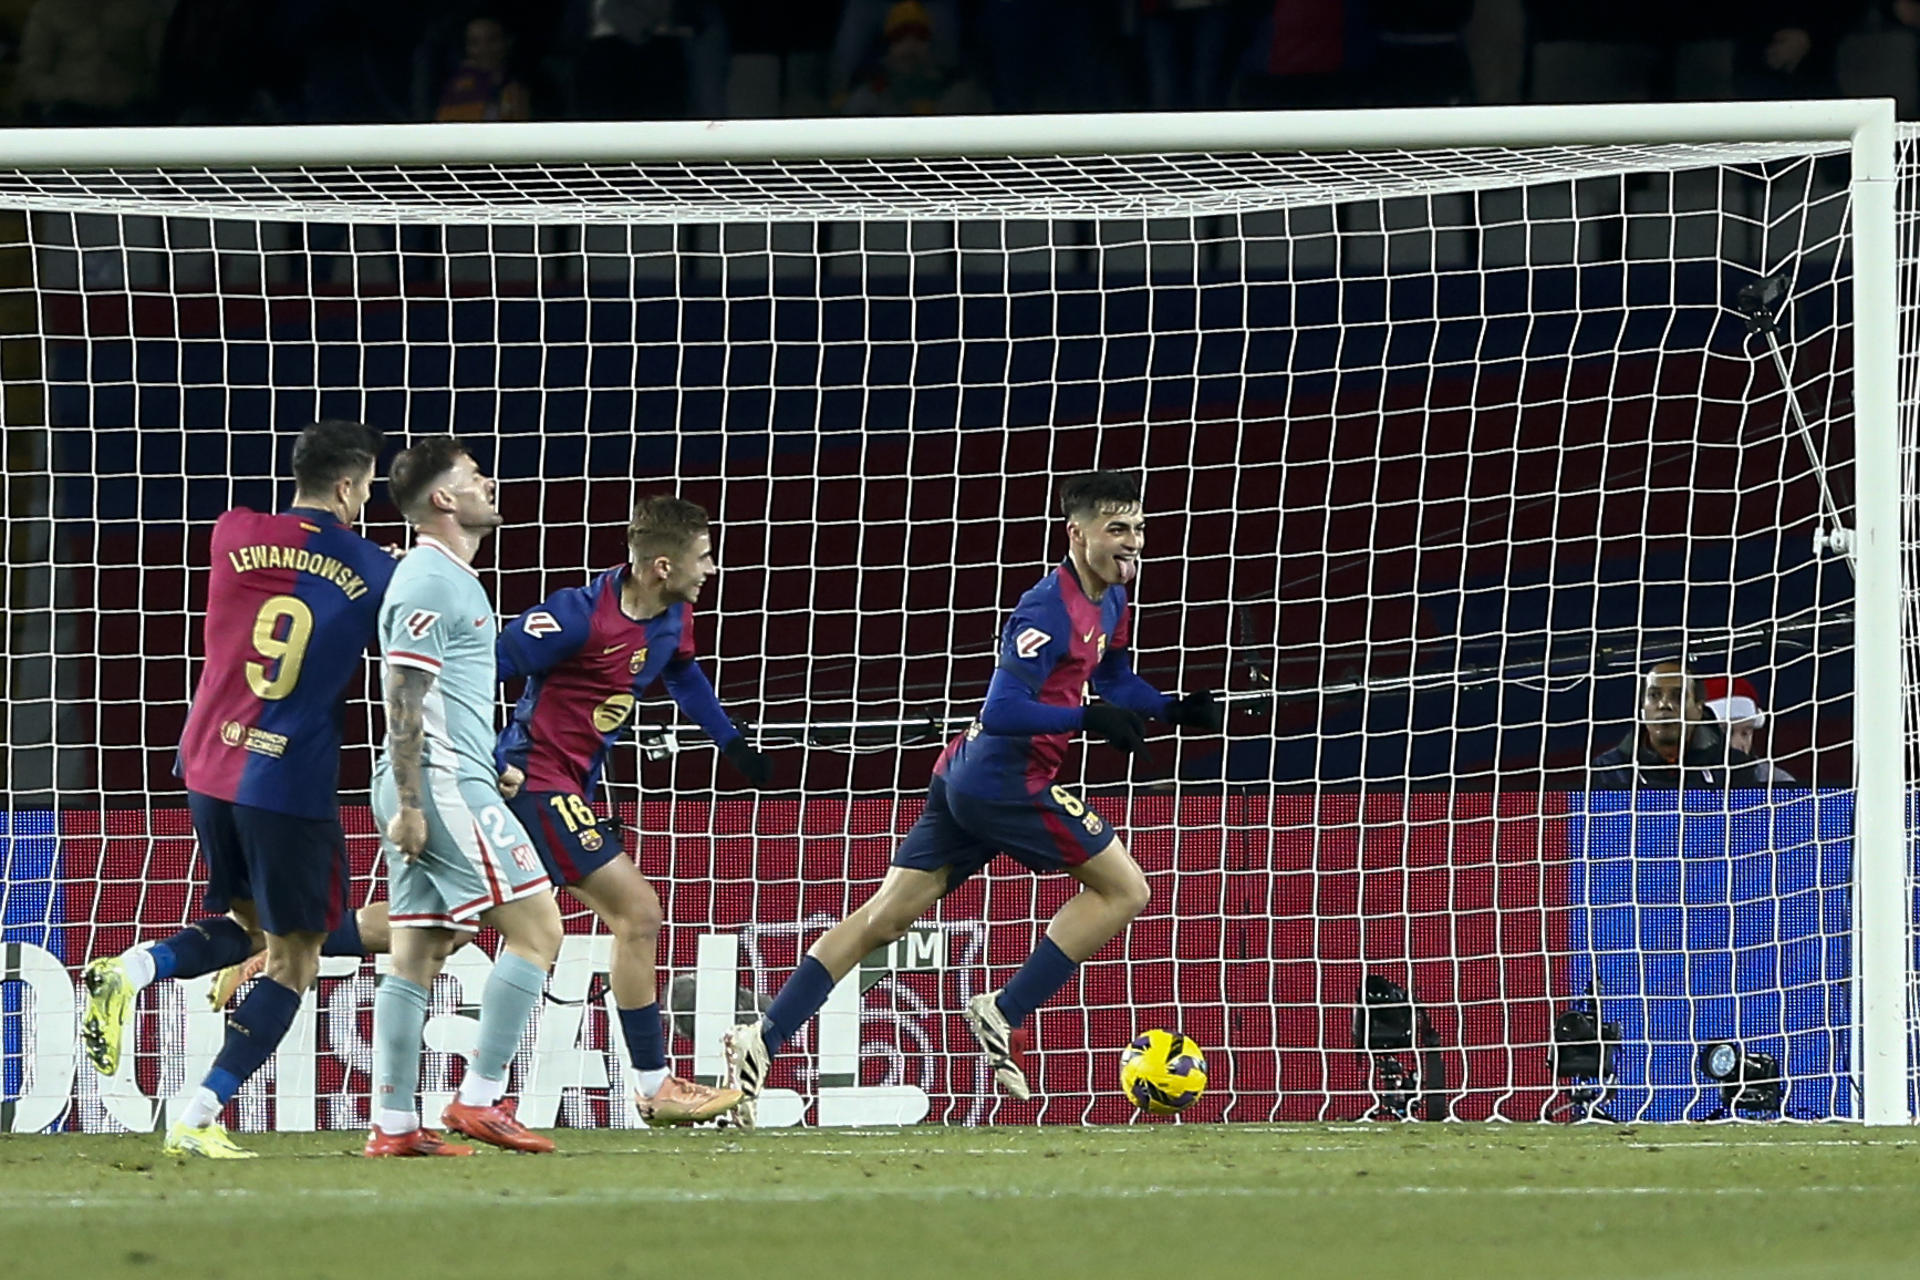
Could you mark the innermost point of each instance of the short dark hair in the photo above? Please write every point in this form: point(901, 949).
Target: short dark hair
point(332, 450)
point(664, 525)
point(1097, 492)
point(1673, 667)
point(418, 466)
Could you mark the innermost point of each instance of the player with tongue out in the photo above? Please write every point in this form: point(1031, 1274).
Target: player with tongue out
point(994, 791)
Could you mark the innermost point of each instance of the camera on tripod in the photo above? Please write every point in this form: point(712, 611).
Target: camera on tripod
point(1385, 1022)
point(1580, 1056)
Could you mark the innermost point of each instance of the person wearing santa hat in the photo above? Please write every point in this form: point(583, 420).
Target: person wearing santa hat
point(1735, 703)
point(1675, 744)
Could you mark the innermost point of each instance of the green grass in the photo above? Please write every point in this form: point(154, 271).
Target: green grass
point(1418, 1200)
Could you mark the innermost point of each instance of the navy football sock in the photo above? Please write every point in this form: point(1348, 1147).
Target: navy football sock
point(254, 1031)
point(1045, 972)
point(203, 947)
point(646, 1038)
point(344, 941)
point(799, 998)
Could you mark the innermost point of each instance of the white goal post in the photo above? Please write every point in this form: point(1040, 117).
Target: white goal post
point(875, 217)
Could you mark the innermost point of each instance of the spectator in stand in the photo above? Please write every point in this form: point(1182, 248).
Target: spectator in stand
point(859, 41)
point(485, 87)
point(909, 79)
point(1184, 45)
point(1785, 48)
point(1779, 48)
point(1674, 745)
point(90, 61)
point(1308, 53)
point(1735, 703)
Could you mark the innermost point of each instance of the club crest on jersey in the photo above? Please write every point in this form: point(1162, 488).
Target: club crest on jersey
point(636, 661)
point(540, 623)
point(419, 622)
point(1030, 642)
point(590, 840)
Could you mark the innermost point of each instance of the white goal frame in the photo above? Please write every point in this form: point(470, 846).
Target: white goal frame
point(1866, 127)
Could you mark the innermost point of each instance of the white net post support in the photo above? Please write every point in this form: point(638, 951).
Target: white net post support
point(873, 217)
point(1883, 858)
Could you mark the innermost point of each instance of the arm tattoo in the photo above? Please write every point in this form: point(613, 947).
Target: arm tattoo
point(406, 729)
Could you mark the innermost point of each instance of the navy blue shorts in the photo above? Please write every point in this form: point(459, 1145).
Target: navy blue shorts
point(572, 842)
point(293, 870)
point(961, 832)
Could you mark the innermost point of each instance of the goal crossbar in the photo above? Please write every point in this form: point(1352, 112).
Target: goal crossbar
point(1399, 129)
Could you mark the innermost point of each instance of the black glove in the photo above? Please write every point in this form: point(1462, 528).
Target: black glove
point(753, 766)
point(1197, 711)
point(1117, 725)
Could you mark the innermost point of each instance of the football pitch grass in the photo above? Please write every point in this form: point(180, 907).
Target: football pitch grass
point(1201, 1201)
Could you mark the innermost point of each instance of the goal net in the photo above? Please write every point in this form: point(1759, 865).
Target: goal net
point(1445, 448)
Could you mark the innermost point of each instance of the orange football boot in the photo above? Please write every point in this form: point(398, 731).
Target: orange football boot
point(495, 1124)
point(421, 1142)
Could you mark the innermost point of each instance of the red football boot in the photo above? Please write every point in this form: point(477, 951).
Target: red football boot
point(495, 1124)
point(421, 1142)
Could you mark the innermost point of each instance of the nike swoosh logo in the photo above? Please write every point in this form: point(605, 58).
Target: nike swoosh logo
point(610, 648)
point(1088, 638)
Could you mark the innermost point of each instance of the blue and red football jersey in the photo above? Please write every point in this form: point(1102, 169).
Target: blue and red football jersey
point(587, 663)
point(1056, 643)
point(291, 607)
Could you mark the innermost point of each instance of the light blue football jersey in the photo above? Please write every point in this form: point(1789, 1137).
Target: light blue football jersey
point(437, 618)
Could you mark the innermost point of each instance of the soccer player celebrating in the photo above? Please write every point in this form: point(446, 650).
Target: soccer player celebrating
point(588, 652)
point(993, 791)
point(456, 858)
point(291, 605)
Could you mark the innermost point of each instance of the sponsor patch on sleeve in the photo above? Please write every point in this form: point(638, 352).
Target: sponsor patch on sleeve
point(1030, 642)
point(540, 623)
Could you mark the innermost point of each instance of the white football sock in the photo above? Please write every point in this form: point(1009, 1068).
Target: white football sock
point(478, 1091)
point(396, 1122)
point(202, 1109)
point(140, 970)
point(647, 1083)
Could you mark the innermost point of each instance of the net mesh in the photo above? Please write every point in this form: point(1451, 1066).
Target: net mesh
point(1442, 451)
